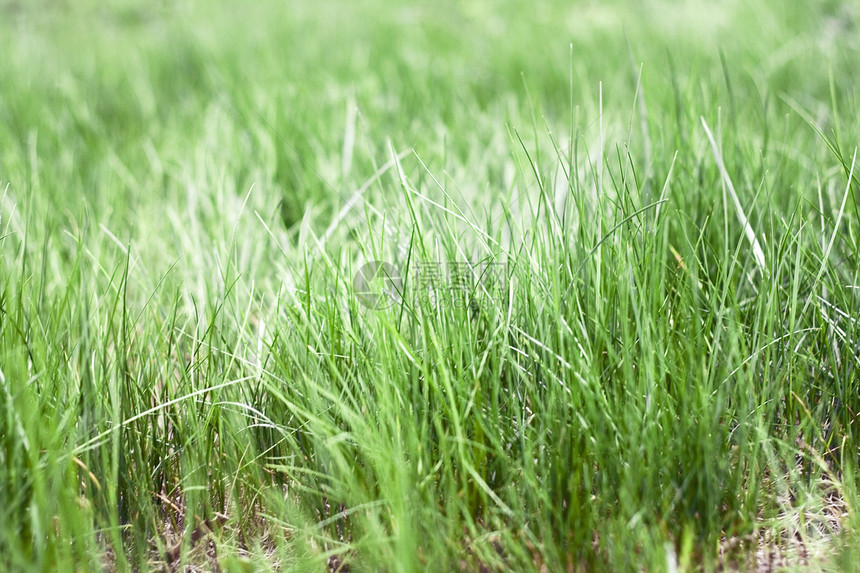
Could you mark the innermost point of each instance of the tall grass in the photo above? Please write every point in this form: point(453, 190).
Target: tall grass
point(663, 375)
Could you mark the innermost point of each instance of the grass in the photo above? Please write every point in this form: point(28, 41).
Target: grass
point(661, 375)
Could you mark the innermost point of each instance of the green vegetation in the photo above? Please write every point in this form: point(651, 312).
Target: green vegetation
point(665, 378)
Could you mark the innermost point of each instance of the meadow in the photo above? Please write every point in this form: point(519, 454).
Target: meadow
point(429, 286)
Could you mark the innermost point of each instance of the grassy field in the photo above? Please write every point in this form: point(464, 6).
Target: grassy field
point(444, 286)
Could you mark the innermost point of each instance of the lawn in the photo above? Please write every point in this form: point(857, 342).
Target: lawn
point(443, 286)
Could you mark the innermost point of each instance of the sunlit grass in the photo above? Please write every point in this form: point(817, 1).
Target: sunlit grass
point(662, 374)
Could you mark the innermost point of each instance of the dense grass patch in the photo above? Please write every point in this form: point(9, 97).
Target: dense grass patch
point(624, 334)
